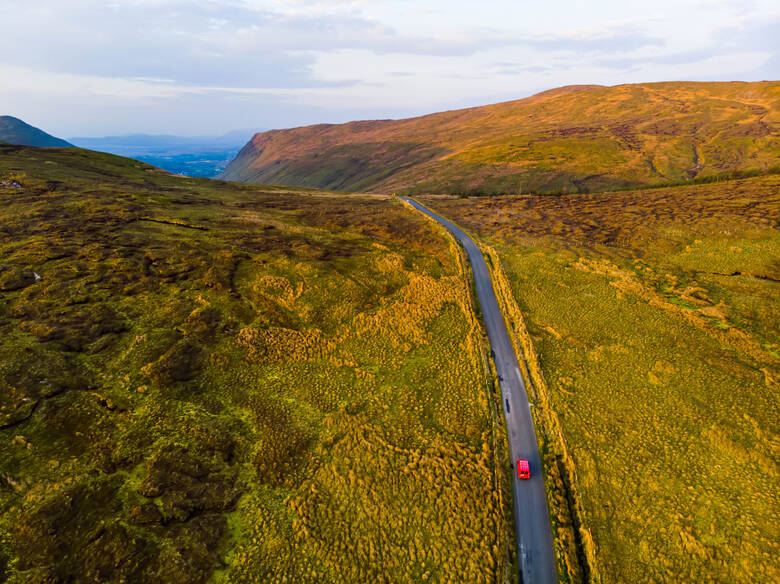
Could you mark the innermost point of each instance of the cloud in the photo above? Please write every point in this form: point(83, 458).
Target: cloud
point(195, 42)
point(508, 68)
point(755, 33)
point(237, 43)
point(190, 42)
point(616, 40)
point(746, 37)
point(152, 61)
point(673, 58)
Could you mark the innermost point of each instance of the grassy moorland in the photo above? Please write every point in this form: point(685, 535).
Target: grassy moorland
point(572, 139)
point(655, 317)
point(208, 382)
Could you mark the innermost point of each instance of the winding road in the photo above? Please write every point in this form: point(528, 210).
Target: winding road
point(535, 553)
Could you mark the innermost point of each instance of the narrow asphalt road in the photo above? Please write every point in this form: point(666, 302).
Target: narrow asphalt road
point(536, 556)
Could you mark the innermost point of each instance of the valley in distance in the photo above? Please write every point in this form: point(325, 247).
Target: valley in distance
point(205, 156)
point(221, 381)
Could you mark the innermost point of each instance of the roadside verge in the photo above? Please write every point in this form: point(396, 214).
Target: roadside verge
point(501, 460)
point(573, 540)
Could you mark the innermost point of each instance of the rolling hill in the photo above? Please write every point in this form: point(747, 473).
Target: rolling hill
point(15, 131)
point(571, 139)
point(212, 382)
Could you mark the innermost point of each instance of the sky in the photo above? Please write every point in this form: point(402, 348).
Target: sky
point(199, 67)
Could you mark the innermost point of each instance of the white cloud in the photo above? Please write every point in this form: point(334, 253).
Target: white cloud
point(356, 57)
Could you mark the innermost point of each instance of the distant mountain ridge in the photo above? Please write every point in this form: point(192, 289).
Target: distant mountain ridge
point(570, 139)
point(15, 131)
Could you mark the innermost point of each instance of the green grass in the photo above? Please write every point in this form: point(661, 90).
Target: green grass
point(662, 365)
point(208, 382)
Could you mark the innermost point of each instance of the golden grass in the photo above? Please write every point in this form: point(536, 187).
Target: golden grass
point(573, 539)
point(389, 492)
point(296, 391)
point(571, 139)
point(654, 315)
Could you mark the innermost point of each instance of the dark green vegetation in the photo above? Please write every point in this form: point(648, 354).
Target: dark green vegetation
point(202, 382)
point(15, 131)
point(655, 315)
point(575, 139)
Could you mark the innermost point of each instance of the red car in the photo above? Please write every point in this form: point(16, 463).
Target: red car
point(523, 470)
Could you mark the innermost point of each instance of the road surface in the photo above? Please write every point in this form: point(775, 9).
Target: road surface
point(535, 554)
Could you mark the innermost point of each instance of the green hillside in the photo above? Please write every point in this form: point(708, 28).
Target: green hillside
point(15, 131)
point(572, 139)
point(202, 381)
